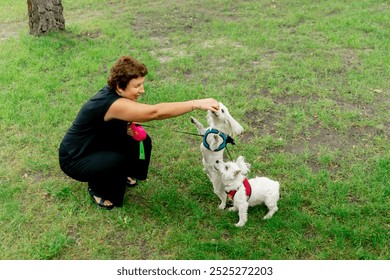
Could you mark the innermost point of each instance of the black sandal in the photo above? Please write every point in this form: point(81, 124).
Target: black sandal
point(101, 201)
point(130, 182)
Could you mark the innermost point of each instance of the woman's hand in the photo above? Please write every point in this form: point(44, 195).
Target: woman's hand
point(206, 104)
point(130, 132)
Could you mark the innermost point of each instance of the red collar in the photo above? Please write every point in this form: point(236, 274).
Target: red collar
point(248, 189)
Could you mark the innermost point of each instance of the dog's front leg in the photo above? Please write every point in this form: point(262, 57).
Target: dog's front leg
point(209, 174)
point(222, 197)
point(242, 214)
point(220, 192)
point(198, 125)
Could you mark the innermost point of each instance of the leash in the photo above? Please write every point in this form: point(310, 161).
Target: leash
point(228, 152)
point(230, 140)
point(178, 131)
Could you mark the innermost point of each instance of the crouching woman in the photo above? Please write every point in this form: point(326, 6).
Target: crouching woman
point(100, 148)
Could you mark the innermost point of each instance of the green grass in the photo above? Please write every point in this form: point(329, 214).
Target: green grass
point(309, 81)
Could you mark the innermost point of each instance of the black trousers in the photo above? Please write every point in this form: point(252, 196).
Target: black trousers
point(106, 171)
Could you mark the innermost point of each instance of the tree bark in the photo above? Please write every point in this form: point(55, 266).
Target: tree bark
point(45, 16)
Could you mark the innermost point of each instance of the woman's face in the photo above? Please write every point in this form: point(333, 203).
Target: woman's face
point(134, 89)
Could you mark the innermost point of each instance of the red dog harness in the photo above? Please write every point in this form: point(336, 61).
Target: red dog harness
point(248, 190)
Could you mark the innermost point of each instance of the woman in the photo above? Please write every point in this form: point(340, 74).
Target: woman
point(99, 148)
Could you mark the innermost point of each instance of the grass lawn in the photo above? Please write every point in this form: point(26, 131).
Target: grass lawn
point(308, 80)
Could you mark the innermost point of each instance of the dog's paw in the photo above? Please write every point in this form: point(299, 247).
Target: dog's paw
point(229, 202)
point(222, 206)
point(239, 224)
point(195, 121)
point(268, 216)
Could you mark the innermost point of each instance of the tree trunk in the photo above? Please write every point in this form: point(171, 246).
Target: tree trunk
point(45, 16)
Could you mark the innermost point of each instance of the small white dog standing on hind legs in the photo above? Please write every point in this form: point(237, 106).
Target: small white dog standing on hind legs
point(259, 190)
point(221, 125)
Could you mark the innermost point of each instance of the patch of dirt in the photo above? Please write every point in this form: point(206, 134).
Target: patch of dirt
point(89, 34)
point(159, 24)
point(351, 198)
point(12, 29)
point(74, 234)
point(37, 176)
point(331, 139)
point(315, 137)
point(264, 123)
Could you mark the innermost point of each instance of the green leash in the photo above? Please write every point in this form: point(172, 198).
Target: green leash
point(141, 150)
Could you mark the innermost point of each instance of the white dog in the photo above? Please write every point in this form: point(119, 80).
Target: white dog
point(261, 189)
point(221, 125)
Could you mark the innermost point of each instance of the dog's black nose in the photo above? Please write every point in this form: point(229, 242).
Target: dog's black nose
point(217, 161)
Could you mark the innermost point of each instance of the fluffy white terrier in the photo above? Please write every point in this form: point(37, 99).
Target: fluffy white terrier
point(263, 190)
point(223, 122)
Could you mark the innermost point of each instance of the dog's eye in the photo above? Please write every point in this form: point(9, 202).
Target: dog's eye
point(222, 110)
point(226, 167)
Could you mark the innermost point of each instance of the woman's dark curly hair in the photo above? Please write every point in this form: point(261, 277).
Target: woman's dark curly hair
point(124, 70)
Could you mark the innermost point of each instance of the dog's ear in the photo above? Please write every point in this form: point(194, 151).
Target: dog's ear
point(244, 166)
point(240, 159)
point(235, 127)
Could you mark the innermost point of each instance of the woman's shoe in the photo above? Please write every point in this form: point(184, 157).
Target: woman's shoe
point(131, 183)
point(101, 200)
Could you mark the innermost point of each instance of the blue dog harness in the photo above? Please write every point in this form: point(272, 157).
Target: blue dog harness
point(226, 139)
